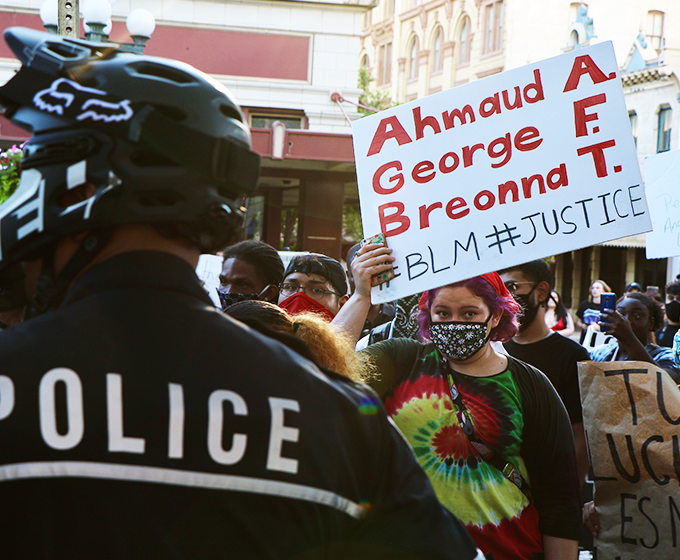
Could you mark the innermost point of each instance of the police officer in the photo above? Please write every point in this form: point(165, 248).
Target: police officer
point(135, 420)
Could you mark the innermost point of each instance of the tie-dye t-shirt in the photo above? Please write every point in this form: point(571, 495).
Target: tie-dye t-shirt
point(518, 414)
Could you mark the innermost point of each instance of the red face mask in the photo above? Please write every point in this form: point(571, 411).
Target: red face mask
point(301, 302)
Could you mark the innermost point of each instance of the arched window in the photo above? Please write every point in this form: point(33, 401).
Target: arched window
point(464, 42)
point(384, 64)
point(654, 29)
point(493, 27)
point(663, 140)
point(437, 62)
point(413, 59)
point(365, 62)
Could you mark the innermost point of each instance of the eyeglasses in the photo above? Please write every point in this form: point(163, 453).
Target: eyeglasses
point(512, 286)
point(317, 294)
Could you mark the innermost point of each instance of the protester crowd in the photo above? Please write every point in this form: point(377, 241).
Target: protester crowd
point(298, 381)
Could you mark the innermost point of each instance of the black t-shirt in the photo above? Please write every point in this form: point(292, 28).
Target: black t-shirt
point(556, 356)
point(137, 422)
point(590, 307)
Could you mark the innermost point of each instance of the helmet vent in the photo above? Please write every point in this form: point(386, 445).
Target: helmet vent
point(162, 72)
point(75, 149)
point(231, 112)
point(64, 51)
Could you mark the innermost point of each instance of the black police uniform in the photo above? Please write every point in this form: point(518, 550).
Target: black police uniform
point(137, 422)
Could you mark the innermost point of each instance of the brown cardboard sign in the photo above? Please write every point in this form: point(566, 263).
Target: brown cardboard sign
point(631, 413)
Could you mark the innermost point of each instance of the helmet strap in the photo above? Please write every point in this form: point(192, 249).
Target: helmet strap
point(50, 290)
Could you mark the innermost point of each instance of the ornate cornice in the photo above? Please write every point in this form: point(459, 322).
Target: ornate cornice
point(656, 74)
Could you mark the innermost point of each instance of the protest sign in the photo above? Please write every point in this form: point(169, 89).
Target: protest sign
point(662, 188)
point(525, 164)
point(208, 270)
point(631, 413)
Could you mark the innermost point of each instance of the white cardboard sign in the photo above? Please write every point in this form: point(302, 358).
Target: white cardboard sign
point(529, 163)
point(662, 188)
point(208, 270)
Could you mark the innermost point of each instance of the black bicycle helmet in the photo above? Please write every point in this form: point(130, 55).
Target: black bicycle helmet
point(161, 142)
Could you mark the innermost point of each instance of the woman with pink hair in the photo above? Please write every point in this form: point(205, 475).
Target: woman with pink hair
point(489, 430)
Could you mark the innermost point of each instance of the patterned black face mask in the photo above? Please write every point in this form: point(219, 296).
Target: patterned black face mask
point(230, 298)
point(459, 340)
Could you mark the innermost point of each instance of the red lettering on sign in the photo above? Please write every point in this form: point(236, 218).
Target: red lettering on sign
point(422, 123)
point(421, 172)
point(598, 155)
point(537, 87)
point(580, 115)
point(425, 214)
point(398, 178)
point(584, 65)
point(396, 131)
point(396, 217)
point(454, 204)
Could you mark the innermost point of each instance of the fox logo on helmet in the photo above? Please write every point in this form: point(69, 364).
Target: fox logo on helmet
point(67, 98)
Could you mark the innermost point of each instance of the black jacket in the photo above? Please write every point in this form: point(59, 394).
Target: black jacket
point(138, 422)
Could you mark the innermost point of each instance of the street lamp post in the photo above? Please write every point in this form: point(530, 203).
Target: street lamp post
point(69, 18)
point(63, 17)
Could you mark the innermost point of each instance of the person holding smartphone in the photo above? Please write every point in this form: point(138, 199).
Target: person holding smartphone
point(632, 324)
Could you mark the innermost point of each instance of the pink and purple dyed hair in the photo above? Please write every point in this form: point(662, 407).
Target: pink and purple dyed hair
point(506, 328)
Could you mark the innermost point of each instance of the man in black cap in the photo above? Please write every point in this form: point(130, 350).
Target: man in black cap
point(313, 282)
point(317, 283)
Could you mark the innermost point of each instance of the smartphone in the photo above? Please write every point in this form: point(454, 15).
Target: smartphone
point(607, 301)
point(387, 275)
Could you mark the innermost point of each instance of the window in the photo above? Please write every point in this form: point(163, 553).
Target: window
point(385, 62)
point(437, 62)
point(265, 121)
point(493, 27)
point(389, 8)
point(632, 117)
point(654, 29)
point(464, 42)
point(365, 62)
point(663, 141)
point(413, 60)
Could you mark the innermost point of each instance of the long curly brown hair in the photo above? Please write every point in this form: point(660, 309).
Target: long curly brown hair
point(330, 348)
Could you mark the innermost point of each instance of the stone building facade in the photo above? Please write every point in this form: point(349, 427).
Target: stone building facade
point(414, 48)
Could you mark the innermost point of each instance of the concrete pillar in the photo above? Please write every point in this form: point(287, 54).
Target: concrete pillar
point(576, 298)
point(559, 267)
point(423, 73)
point(595, 262)
point(271, 226)
point(448, 49)
point(672, 268)
point(630, 265)
point(399, 82)
point(320, 222)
